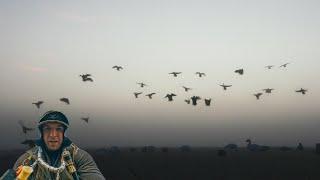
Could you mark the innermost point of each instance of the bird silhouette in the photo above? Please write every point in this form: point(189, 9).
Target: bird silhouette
point(200, 74)
point(268, 90)
point(142, 84)
point(225, 86)
point(65, 100)
point(269, 66)
point(150, 95)
point(257, 95)
point(284, 65)
point(38, 104)
point(302, 91)
point(118, 68)
point(30, 142)
point(195, 99)
point(187, 101)
point(169, 96)
point(186, 88)
point(86, 77)
point(86, 119)
point(25, 129)
point(136, 94)
point(240, 71)
point(175, 74)
point(207, 102)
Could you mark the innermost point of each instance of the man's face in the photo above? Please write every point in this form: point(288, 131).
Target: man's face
point(53, 135)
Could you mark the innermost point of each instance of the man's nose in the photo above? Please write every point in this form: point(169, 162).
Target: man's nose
point(53, 132)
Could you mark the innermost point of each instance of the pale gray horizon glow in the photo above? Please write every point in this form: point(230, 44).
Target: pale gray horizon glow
point(45, 46)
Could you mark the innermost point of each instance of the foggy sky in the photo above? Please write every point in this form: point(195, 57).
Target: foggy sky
point(45, 46)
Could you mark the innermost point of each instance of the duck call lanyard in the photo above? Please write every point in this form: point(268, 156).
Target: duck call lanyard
point(41, 162)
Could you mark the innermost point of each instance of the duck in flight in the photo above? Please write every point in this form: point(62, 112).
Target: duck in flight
point(175, 74)
point(187, 101)
point(150, 95)
point(239, 71)
point(207, 102)
point(269, 66)
point(118, 68)
point(142, 84)
point(186, 89)
point(268, 90)
point(302, 91)
point(86, 119)
point(257, 95)
point(284, 65)
point(195, 99)
point(136, 94)
point(225, 86)
point(200, 74)
point(65, 100)
point(86, 77)
point(38, 104)
point(170, 96)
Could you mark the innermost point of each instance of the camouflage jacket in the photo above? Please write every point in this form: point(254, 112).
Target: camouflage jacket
point(85, 166)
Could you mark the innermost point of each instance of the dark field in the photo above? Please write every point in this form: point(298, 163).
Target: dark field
point(198, 164)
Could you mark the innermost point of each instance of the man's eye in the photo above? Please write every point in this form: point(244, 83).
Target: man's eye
point(46, 129)
point(60, 129)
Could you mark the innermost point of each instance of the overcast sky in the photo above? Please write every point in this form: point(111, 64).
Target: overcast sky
point(45, 46)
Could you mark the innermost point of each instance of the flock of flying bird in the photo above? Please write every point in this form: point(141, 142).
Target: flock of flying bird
point(193, 99)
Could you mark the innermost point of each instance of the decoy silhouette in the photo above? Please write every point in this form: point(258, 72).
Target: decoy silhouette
point(86, 119)
point(24, 128)
point(195, 99)
point(257, 95)
point(38, 104)
point(207, 101)
point(225, 86)
point(201, 74)
point(269, 66)
point(142, 84)
point(187, 101)
point(169, 96)
point(65, 100)
point(186, 88)
point(284, 65)
point(136, 94)
point(118, 68)
point(302, 91)
point(30, 142)
point(240, 71)
point(150, 95)
point(268, 90)
point(175, 74)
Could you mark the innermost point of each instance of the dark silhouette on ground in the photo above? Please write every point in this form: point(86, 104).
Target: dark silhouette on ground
point(38, 104)
point(300, 147)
